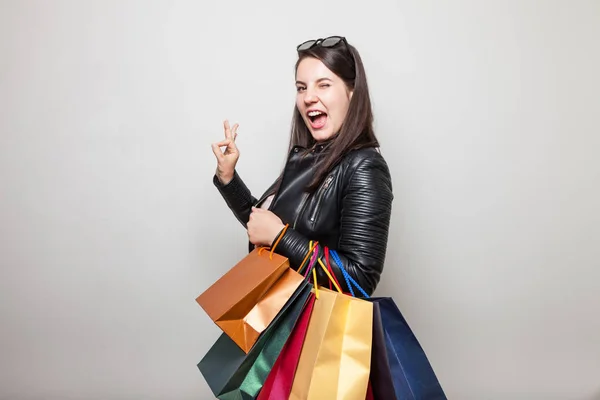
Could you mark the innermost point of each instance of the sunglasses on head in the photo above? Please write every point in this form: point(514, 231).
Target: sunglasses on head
point(330, 41)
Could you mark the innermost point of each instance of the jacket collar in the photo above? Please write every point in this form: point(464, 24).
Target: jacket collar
point(317, 147)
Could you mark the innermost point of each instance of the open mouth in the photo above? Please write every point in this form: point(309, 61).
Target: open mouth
point(317, 119)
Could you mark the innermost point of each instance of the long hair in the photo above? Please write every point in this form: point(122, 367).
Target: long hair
point(357, 129)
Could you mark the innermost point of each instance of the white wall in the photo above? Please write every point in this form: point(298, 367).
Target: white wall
point(110, 226)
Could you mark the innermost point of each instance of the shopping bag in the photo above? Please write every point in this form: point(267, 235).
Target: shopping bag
point(335, 359)
point(279, 381)
point(370, 395)
point(412, 374)
point(233, 374)
point(244, 301)
point(381, 376)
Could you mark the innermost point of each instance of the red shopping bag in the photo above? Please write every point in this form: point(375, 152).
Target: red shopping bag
point(370, 395)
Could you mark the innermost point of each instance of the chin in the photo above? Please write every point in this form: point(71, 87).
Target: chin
point(321, 136)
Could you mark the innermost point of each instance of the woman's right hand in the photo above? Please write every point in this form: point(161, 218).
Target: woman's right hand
point(227, 159)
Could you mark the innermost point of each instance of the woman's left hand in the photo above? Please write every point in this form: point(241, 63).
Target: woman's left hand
point(263, 227)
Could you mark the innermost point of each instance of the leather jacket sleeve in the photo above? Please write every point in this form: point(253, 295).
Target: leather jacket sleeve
point(238, 197)
point(365, 217)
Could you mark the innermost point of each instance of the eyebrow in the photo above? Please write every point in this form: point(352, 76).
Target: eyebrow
point(318, 80)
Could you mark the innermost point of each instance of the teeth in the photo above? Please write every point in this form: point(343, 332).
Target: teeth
point(314, 113)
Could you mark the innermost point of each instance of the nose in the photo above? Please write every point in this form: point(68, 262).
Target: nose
point(310, 97)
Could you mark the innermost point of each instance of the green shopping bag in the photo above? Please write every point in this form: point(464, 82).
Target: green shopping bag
point(232, 374)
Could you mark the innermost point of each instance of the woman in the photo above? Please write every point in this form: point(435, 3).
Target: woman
point(335, 187)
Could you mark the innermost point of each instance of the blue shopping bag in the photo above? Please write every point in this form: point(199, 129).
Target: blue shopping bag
point(412, 375)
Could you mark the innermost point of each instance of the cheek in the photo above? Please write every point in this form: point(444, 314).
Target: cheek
point(338, 106)
point(300, 105)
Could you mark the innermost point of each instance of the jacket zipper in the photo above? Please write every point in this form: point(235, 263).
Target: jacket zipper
point(321, 194)
point(300, 208)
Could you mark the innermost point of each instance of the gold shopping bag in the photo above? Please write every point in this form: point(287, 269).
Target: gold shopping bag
point(335, 359)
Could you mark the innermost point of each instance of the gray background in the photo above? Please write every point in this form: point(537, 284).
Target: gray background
point(110, 226)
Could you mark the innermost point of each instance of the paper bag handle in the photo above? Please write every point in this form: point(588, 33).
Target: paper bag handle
point(328, 264)
point(311, 248)
point(331, 279)
point(347, 276)
point(311, 268)
point(276, 242)
point(313, 259)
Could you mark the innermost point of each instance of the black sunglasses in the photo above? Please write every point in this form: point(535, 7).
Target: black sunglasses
point(330, 41)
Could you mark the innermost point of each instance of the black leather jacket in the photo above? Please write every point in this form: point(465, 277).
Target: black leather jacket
point(350, 212)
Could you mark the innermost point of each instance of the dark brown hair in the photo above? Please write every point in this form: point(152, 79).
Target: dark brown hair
point(357, 129)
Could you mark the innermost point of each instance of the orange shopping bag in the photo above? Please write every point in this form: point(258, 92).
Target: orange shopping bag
point(246, 299)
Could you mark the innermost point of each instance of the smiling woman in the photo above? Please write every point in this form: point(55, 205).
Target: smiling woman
point(335, 187)
point(323, 98)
